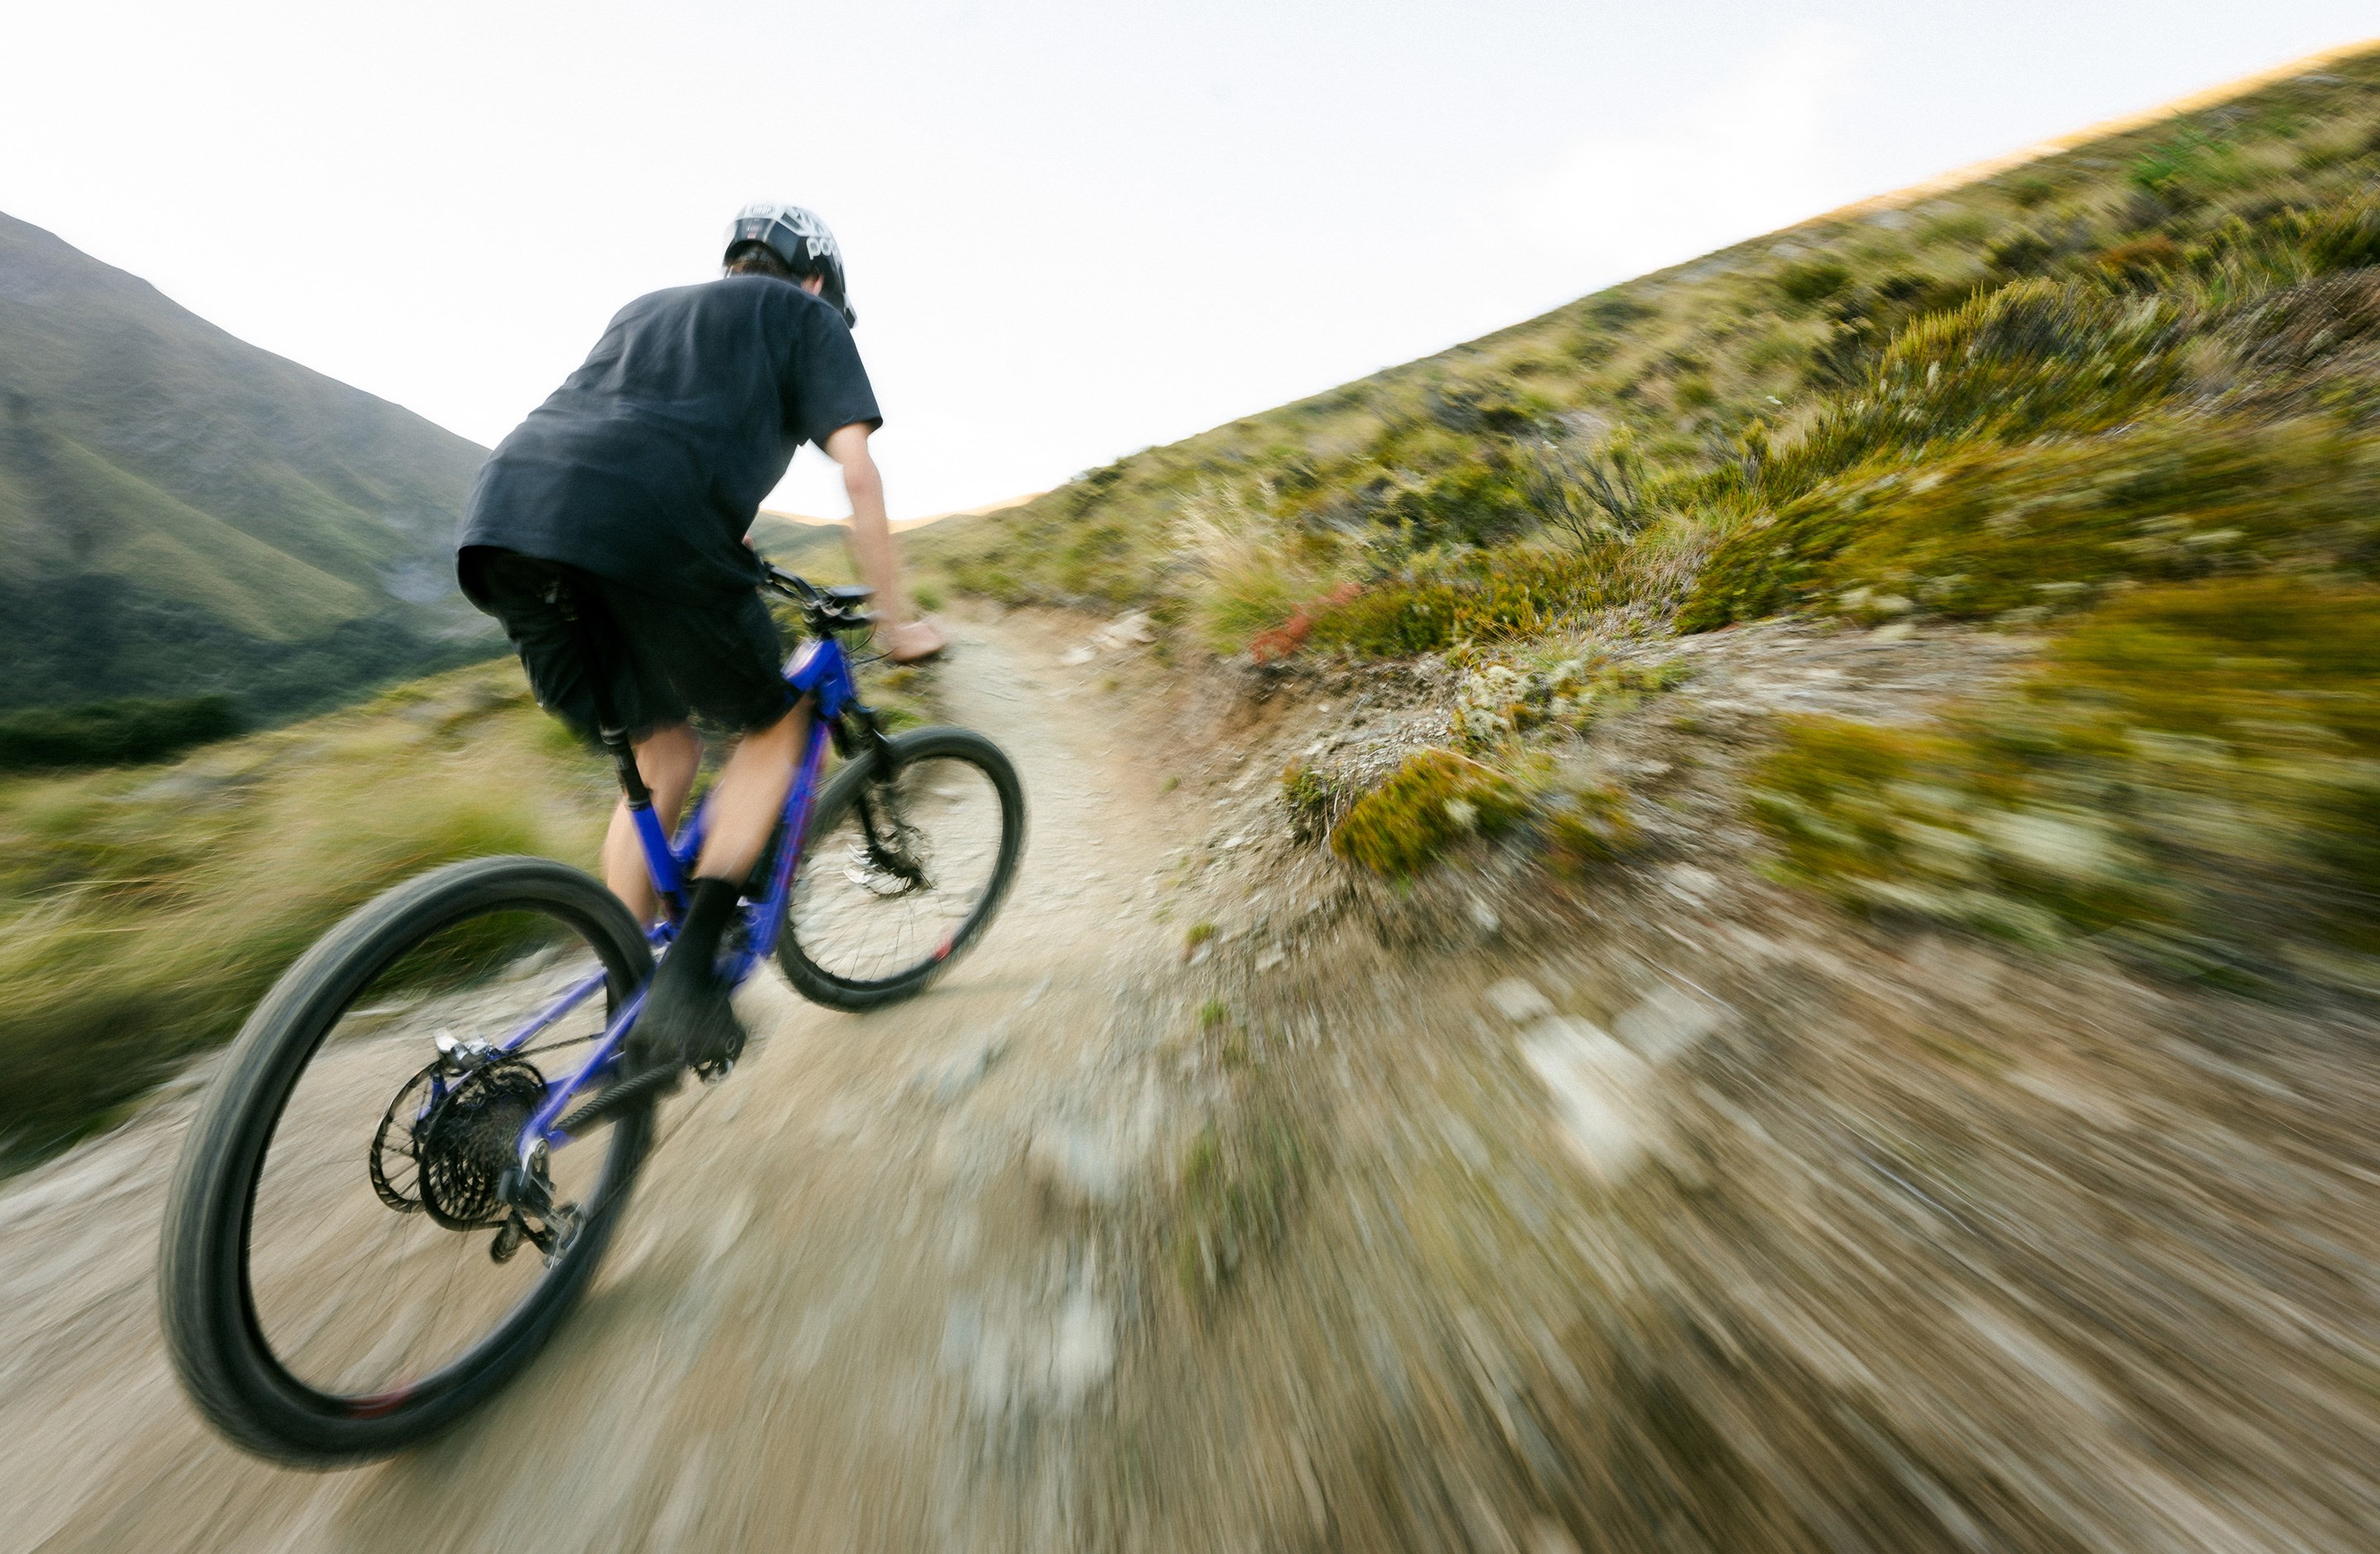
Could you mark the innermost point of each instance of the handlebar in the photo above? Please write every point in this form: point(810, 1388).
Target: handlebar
point(826, 610)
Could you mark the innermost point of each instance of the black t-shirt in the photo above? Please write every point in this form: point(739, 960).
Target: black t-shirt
point(646, 466)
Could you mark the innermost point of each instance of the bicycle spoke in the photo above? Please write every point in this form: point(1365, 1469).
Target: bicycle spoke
point(353, 1296)
point(859, 920)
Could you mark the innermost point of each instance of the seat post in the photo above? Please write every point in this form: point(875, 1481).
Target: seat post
point(624, 758)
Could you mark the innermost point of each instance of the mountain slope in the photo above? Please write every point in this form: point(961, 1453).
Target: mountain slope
point(185, 512)
point(2118, 407)
point(1699, 368)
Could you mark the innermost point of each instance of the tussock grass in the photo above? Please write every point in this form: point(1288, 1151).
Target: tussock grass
point(1255, 576)
point(2030, 359)
point(143, 912)
point(2052, 526)
point(2063, 299)
point(2128, 394)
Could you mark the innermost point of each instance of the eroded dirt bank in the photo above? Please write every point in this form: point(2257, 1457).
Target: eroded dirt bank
point(1666, 1210)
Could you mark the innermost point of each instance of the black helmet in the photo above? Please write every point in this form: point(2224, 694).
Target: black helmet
point(799, 238)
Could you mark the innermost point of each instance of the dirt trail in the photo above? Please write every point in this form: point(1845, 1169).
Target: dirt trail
point(838, 1301)
point(1661, 1209)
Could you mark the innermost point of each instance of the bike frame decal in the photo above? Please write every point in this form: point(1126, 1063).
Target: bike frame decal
point(819, 670)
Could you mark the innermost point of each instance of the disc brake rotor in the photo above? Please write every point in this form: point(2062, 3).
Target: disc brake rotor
point(890, 859)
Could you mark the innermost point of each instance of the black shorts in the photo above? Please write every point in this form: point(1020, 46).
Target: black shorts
point(657, 659)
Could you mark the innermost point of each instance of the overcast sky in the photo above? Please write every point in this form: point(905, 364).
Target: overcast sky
point(1074, 229)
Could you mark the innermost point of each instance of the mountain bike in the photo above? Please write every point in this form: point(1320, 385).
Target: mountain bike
point(420, 1145)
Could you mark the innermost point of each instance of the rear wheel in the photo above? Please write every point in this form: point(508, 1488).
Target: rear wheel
point(901, 873)
point(338, 1276)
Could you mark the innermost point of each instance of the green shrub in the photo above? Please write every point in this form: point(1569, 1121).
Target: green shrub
point(2019, 254)
point(1617, 310)
point(113, 733)
point(2031, 190)
point(1477, 501)
point(1433, 801)
point(1814, 282)
point(2194, 775)
point(2057, 524)
point(2054, 525)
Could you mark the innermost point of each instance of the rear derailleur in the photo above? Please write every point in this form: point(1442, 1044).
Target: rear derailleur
point(534, 1217)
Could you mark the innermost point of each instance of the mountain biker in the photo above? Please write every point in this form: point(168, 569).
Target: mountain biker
point(607, 534)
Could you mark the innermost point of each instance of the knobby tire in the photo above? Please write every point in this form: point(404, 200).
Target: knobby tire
point(212, 1331)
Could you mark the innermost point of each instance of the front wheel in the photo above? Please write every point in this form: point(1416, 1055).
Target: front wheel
point(339, 1277)
point(900, 874)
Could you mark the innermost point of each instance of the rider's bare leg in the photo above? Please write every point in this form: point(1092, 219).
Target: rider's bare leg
point(686, 1017)
point(750, 795)
point(668, 759)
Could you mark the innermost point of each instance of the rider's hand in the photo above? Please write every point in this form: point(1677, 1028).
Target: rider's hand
point(914, 641)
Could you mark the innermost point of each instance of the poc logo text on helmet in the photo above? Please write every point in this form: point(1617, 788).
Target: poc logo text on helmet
point(795, 235)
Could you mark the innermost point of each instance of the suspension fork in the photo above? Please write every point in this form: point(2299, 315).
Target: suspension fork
point(884, 830)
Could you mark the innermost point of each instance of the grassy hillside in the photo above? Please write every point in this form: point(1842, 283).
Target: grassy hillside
point(2123, 402)
point(185, 514)
point(143, 911)
point(1648, 406)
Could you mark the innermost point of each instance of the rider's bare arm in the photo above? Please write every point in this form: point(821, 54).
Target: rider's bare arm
point(871, 541)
